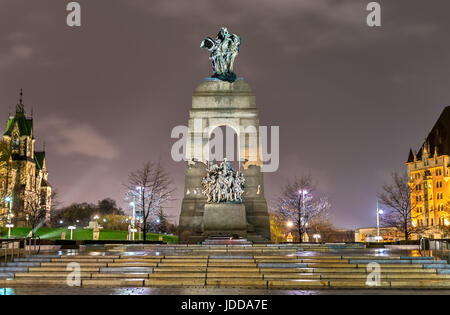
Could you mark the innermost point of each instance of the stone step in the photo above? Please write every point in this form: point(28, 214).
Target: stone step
point(419, 284)
point(234, 275)
point(53, 275)
point(150, 260)
point(443, 271)
point(44, 256)
point(171, 275)
point(224, 257)
point(90, 256)
point(179, 269)
point(136, 264)
point(392, 261)
point(64, 264)
point(31, 259)
point(21, 264)
point(175, 282)
point(220, 282)
point(6, 275)
point(437, 266)
point(120, 275)
point(84, 260)
point(181, 264)
point(13, 269)
point(126, 270)
point(61, 269)
point(113, 282)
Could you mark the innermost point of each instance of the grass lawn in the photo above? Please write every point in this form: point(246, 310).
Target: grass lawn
point(82, 234)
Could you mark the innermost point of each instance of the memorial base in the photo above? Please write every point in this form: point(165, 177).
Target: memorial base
point(224, 219)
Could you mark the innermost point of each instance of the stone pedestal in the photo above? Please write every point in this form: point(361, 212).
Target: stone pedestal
point(224, 219)
point(96, 234)
point(217, 103)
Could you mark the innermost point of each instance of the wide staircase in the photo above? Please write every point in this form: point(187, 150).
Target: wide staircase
point(306, 266)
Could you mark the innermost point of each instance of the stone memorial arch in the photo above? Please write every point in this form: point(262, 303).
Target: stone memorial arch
point(218, 103)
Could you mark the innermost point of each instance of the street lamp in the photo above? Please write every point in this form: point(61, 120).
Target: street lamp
point(133, 219)
point(9, 226)
point(379, 211)
point(71, 228)
point(316, 237)
point(9, 199)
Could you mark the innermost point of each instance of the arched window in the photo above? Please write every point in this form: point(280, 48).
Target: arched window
point(15, 144)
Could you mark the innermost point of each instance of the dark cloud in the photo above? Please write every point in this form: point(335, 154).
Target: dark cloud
point(350, 100)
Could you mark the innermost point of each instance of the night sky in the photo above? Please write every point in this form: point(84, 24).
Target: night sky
point(350, 100)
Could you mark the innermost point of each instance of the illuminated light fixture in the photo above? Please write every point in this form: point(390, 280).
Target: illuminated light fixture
point(9, 225)
point(378, 238)
point(289, 223)
point(446, 222)
point(96, 217)
point(380, 211)
point(414, 224)
point(132, 203)
point(8, 199)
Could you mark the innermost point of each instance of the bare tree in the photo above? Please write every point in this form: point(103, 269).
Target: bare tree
point(299, 205)
point(444, 224)
point(401, 208)
point(5, 169)
point(151, 188)
point(35, 211)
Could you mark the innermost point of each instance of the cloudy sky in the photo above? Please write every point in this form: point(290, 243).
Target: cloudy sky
point(350, 100)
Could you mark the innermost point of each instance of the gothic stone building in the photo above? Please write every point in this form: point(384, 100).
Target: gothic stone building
point(428, 177)
point(24, 176)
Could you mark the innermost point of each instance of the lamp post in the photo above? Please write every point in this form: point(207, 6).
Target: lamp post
point(9, 200)
point(71, 228)
point(9, 226)
point(379, 211)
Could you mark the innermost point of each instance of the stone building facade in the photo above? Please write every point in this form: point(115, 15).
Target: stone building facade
point(24, 187)
point(428, 172)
